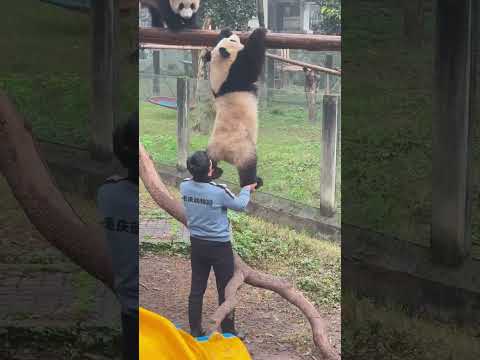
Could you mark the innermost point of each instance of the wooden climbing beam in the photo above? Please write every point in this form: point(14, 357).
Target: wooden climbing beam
point(209, 37)
point(303, 64)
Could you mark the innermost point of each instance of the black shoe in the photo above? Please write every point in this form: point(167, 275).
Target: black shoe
point(217, 172)
point(198, 333)
point(259, 183)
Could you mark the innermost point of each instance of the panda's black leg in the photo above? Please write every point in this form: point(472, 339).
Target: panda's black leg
point(248, 174)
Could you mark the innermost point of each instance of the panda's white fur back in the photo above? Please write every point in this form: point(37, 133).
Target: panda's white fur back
point(234, 135)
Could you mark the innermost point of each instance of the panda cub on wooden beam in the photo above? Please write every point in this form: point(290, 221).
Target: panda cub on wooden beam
point(173, 14)
point(234, 70)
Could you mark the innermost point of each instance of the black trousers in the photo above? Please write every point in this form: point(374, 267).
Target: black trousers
point(205, 255)
point(130, 336)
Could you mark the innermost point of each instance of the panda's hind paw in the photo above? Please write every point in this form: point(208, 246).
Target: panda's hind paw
point(217, 172)
point(259, 183)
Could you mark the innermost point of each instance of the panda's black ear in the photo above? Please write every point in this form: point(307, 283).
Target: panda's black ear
point(224, 52)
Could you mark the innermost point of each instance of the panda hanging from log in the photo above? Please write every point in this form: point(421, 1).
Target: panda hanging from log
point(234, 70)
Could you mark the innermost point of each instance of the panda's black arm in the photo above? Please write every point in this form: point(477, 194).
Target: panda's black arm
point(255, 53)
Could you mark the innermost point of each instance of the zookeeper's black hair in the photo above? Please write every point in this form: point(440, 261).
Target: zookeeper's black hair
point(198, 164)
point(125, 145)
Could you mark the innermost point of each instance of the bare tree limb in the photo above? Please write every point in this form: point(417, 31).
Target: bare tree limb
point(45, 206)
point(306, 65)
point(242, 273)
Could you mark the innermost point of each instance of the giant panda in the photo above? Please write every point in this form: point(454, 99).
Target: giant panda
point(173, 14)
point(234, 69)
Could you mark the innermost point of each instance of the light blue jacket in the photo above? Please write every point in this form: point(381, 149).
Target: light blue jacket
point(206, 205)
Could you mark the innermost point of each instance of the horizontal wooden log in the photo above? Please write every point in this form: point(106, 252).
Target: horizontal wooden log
point(304, 64)
point(151, 46)
point(209, 37)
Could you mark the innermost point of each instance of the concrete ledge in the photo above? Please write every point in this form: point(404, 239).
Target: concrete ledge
point(272, 209)
point(389, 269)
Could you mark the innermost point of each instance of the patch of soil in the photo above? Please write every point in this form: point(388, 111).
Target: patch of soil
point(275, 329)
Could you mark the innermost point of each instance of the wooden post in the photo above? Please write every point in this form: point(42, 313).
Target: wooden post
point(452, 132)
point(260, 13)
point(105, 75)
point(310, 87)
point(156, 22)
point(261, 23)
point(328, 166)
point(156, 73)
point(329, 65)
point(182, 123)
point(270, 71)
point(195, 76)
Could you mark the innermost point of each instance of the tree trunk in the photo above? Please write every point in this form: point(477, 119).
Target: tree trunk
point(44, 205)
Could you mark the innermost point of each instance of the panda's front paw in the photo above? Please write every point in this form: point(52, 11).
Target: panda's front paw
point(217, 172)
point(260, 31)
point(226, 32)
point(259, 183)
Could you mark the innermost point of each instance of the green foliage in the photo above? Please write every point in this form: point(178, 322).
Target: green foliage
point(233, 14)
point(332, 16)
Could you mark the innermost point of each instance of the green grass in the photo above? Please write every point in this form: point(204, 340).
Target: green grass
point(371, 331)
point(288, 149)
point(45, 67)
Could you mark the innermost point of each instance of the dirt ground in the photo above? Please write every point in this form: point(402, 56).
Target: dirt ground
point(275, 330)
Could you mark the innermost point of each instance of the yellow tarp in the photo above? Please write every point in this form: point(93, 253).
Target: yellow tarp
point(161, 340)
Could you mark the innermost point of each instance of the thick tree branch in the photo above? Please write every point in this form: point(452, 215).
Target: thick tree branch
point(243, 273)
point(33, 187)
